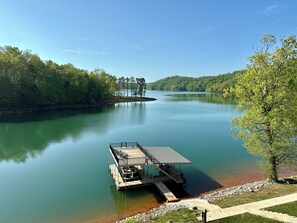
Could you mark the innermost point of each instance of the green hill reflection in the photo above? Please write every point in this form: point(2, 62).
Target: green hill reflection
point(202, 97)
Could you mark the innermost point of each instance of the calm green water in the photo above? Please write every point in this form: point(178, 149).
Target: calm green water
point(54, 166)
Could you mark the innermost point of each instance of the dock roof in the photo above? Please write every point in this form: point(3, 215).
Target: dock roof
point(166, 155)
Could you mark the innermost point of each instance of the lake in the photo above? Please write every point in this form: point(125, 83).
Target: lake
point(54, 166)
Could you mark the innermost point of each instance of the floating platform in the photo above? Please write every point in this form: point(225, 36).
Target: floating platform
point(130, 158)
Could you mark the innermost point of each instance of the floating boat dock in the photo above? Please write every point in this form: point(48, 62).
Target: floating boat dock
point(133, 165)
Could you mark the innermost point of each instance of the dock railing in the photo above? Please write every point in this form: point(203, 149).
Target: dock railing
point(124, 159)
point(167, 169)
point(123, 144)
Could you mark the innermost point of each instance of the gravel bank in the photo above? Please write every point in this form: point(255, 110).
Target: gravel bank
point(234, 191)
point(218, 195)
point(155, 212)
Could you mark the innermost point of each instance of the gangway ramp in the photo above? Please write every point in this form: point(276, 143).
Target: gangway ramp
point(170, 197)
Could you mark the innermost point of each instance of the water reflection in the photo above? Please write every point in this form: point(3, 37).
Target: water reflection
point(202, 97)
point(29, 135)
point(132, 113)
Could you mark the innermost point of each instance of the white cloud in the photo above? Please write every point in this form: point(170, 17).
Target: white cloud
point(135, 47)
point(271, 9)
point(103, 53)
point(80, 51)
point(124, 40)
point(72, 51)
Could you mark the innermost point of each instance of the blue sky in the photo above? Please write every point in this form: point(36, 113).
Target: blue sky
point(151, 39)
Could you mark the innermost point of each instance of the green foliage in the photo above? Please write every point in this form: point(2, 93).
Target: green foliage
point(267, 94)
point(182, 215)
point(289, 208)
point(132, 221)
point(132, 85)
point(27, 81)
point(245, 218)
point(209, 83)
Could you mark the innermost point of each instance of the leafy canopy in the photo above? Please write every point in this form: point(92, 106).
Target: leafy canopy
point(267, 95)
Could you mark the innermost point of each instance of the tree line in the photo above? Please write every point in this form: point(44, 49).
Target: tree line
point(28, 81)
point(205, 84)
point(131, 86)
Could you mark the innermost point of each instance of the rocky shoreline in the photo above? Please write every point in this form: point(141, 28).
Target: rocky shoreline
point(234, 191)
point(217, 195)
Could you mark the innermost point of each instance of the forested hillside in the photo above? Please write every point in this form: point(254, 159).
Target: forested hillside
point(207, 83)
point(26, 81)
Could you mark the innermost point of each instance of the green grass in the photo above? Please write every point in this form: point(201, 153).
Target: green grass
point(189, 216)
point(289, 208)
point(245, 218)
point(275, 190)
point(132, 221)
point(181, 216)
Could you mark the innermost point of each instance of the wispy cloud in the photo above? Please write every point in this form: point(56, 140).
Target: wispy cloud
point(103, 53)
point(72, 51)
point(80, 51)
point(124, 40)
point(135, 47)
point(271, 9)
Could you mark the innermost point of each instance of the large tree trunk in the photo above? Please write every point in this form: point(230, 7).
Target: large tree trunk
point(272, 169)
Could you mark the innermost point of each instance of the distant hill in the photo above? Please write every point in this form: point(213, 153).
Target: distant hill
point(207, 83)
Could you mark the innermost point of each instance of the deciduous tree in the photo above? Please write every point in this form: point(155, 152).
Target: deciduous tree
point(267, 95)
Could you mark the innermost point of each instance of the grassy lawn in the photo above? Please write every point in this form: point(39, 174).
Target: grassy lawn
point(186, 215)
point(289, 208)
point(189, 216)
point(132, 221)
point(183, 215)
point(245, 218)
point(275, 190)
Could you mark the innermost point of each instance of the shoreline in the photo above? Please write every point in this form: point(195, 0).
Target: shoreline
point(251, 182)
point(210, 197)
point(150, 208)
point(18, 111)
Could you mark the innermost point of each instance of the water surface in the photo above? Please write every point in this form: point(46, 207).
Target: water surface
point(54, 166)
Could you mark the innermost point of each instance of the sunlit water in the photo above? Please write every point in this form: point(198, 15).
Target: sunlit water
point(54, 166)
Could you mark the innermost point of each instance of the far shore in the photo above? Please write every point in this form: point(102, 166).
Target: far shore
point(17, 111)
